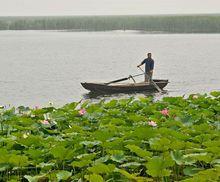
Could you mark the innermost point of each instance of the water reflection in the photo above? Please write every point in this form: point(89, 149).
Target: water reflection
point(94, 96)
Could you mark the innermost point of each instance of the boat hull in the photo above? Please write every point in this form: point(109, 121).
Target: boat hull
point(124, 88)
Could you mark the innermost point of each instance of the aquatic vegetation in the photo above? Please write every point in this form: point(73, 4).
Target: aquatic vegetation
point(149, 23)
point(173, 139)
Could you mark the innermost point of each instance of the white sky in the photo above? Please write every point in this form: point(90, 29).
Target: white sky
point(98, 7)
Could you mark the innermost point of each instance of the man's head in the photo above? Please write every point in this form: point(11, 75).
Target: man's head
point(149, 55)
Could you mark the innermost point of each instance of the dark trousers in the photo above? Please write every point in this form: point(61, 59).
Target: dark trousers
point(148, 77)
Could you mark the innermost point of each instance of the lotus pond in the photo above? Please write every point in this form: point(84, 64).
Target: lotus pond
point(173, 139)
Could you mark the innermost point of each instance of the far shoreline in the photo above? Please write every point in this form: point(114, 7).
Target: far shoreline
point(187, 23)
point(136, 32)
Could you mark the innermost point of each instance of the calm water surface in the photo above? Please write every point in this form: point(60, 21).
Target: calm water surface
point(38, 66)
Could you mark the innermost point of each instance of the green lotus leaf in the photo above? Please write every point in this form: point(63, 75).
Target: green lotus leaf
point(118, 158)
point(146, 100)
point(103, 135)
point(39, 178)
point(133, 117)
point(194, 150)
point(70, 107)
point(32, 140)
point(63, 175)
point(200, 157)
point(4, 155)
point(90, 143)
point(18, 160)
point(102, 159)
point(13, 179)
point(101, 168)
point(156, 167)
point(202, 138)
point(111, 104)
point(177, 145)
point(190, 170)
point(187, 120)
point(143, 133)
point(177, 101)
point(124, 102)
point(40, 112)
point(212, 174)
point(135, 105)
point(172, 133)
point(74, 128)
point(95, 109)
point(177, 156)
point(86, 156)
point(131, 165)
point(215, 94)
point(126, 174)
point(139, 152)
point(132, 177)
point(216, 162)
point(34, 153)
point(182, 159)
point(81, 163)
point(61, 152)
point(94, 178)
point(160, 144)
point(215, 143)
point(216, 107)
point(117, 121)
point(17, 146)
point(114, 143)
point(214, 150)
point(115, 113)
point(4, 166)
point(46, 166)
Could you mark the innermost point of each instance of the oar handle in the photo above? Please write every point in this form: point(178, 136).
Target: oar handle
point(143, 71)
point(119, 80)
point(123, 79)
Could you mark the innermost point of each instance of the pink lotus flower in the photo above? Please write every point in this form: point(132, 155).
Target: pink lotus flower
point(152, 123)
point(82, 112)
point(165, 112)
point(36, 107)
point(45, 122)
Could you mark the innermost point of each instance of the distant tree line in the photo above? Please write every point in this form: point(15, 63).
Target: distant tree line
point(166, 23)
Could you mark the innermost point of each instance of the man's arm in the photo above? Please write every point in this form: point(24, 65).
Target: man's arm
point(141, 63)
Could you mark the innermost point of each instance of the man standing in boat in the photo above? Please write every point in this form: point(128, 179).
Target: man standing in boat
point(149, 67)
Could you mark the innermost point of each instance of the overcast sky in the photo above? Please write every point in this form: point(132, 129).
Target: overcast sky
point(98, 7)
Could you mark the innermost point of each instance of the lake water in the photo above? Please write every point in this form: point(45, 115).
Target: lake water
point(38, 67)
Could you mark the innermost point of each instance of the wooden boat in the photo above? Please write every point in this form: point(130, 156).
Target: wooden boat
point(124, 87)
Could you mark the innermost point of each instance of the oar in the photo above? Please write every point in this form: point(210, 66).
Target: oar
point(122, 79)
point(151, 80)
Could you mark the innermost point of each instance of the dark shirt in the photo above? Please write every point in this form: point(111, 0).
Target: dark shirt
point(149, 64)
